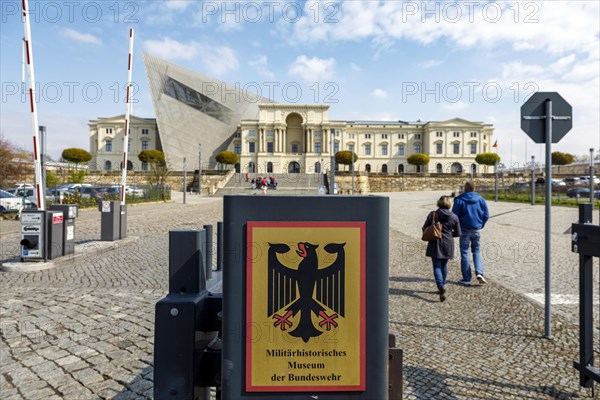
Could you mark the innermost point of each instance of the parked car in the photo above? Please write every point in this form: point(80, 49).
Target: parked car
point(519, 186)
point(571, 181)
point(586, 179)
point(87, 191)
point(10, 203)
point(27, 194)
point(134, 191)
point(578, 191)
point(102, 191)
point(56, 195)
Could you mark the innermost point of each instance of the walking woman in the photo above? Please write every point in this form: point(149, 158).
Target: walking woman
point(442, 250)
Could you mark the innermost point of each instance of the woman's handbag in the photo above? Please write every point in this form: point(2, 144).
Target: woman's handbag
point(433, 231)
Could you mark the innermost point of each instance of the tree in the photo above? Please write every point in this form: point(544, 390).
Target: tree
point(418, 159)
point(487, 159)
point(51, 179)
point(227, 158)
point(345, 157)
point(158, 167)
point(559, 159)
point(76, 155)
point(12, 167)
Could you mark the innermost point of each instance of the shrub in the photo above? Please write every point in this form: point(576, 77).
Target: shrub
point(345, 157)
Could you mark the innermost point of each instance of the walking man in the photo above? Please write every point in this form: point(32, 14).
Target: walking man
point(472, 213)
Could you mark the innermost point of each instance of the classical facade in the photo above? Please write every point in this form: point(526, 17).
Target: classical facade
point(196, 113)
point(301, 138)
point(106, 141)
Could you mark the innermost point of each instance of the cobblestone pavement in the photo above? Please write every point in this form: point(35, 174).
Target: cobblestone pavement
point(84, 329)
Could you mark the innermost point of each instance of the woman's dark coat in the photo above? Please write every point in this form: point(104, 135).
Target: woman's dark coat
point(444, 247)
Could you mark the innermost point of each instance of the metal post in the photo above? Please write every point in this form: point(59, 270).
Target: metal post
point(209, 251)
point(184, 178)
point(548, 255)
point(496, 181)
point(220, 246)
point(199, 169)
point(352, 169)
point(592, 177)
point(43, 154)
point(532, 180)
point(332, 166)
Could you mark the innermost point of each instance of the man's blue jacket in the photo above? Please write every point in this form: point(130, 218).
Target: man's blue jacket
point(471, 210)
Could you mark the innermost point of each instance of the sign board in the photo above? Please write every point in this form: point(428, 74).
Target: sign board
point(106, 206)
point(305, 290)
point(70, 232)
point(533, 116)
point(305, 297)
point(57, 218)
point(31, 218)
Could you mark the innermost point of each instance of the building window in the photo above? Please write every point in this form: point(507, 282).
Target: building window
point(400, 168)
point(368, 167)
point(367, 136)
point(145, 145)
point(473, 148)
point(317, 147)
point(384, 168)
point(439, 148)
point(336, 147)
point(384, 135)
point(317, 133)
point(456, 148)
point(270, 167)
point(418, 136)
point(108, 146)
point(252, 132)
point(109, 131)
point(107, 165)
point(251, 147)
point(145, 132)
point(456, 134)
point(400, 149)
point(129, 145)
point(384, 151)
point(351, 148)
point(337, 133)
point(351, 135)
point(144, 166)
point(367, 149)
point(473, 134)
point(269, 147)
point(401, 136)
point(294, 147)
point(485, 148)
point(237, 148)
point(439, 134)
point(484, 137)
point(439, 168)
point(417, 148)
point(270, 133)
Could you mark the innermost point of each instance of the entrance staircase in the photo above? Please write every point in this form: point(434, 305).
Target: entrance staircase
point(287, 185)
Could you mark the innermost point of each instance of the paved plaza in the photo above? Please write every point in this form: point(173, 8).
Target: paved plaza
point(84, 329)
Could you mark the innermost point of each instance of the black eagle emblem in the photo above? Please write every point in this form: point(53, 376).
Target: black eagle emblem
point(308, 289)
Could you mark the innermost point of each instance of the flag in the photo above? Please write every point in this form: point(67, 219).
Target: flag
point(495, 145)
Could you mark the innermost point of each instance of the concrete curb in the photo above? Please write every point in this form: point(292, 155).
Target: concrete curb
point(80, 251)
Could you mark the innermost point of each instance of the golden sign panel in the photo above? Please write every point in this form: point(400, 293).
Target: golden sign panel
point(305, 308)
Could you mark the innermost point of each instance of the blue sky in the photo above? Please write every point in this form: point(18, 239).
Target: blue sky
point(379, 60)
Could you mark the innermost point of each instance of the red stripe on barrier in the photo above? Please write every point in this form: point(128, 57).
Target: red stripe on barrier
point(31, 98)
point(27, 51)
point(24, 7)
point(39, 198)
point(34, 149)
point(131, 32)
point(126, 128)
point(124, 163)
point(127, 97)
point(129, 63)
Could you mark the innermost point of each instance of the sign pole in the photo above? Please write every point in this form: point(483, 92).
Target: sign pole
point(592, 177)
point(496, 181)
point(548, 255)
point(532, 180)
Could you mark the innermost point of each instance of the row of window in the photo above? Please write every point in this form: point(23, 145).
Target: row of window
point(109, 131)
point(417, 136)
point(294, 167)
point(367, 148)
point(108, 145)
point(108, 165)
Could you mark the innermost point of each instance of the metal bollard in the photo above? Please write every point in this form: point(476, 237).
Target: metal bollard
point(220, 246)
point(209, 251)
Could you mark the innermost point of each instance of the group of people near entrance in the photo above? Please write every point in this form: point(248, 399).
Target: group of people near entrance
point(464, 217)
point(262, 183)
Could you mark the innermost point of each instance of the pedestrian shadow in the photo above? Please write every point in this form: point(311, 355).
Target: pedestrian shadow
point(414, 293)
point(472, 331)
point(409, 279)
point(429, 383)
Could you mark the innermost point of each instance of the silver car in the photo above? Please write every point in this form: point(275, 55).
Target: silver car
point(10, 203)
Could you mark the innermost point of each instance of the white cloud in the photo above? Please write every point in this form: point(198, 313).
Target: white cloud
point(81, 37)
point(218, 60)
point(430, 63)
point(312, 69)
point(171, 49)
point(177, 5)
point(555, 27)
point(355, 67)
point(379, 93)
point(261, 67)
